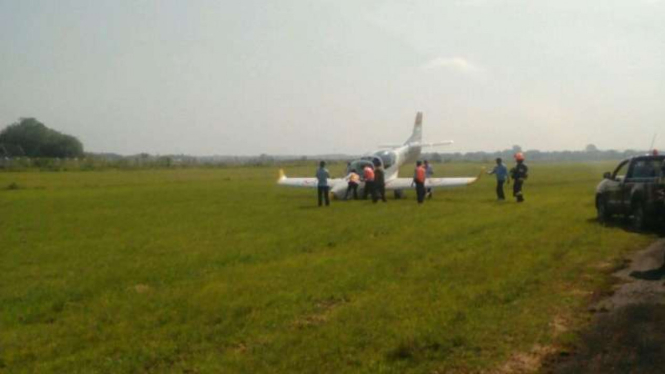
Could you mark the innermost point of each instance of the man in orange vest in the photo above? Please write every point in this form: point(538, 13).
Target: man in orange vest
point(368, 174)
point(419, 181)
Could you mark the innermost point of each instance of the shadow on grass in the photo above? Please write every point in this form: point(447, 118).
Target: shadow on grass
point(630, 340)
point(650, 275)
point(313, 206)
point(624, 224)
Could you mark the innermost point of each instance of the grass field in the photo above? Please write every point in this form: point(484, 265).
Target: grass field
point(220, 270)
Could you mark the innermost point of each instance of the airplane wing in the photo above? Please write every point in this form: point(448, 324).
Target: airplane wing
point(419, 144)
point(434, 183)
point(437, 144)
point(304, 182)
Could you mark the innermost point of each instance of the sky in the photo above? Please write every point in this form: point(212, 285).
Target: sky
point(297, 77)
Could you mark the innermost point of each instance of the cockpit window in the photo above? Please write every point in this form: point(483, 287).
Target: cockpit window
point(358, 166)
point(376, 161)
point(388, 158)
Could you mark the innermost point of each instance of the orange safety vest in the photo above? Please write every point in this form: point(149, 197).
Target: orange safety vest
point(353, 177)
point(369, 174)
point(420, 174)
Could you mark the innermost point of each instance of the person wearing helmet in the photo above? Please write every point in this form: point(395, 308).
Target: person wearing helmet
point(519, 173)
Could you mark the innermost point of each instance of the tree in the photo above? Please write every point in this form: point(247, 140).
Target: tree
point(591, 148)
point(37, 140)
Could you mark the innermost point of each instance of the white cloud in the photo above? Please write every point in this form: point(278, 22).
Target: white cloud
point(453, 63)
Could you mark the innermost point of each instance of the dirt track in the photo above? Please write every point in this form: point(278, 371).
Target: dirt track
point(642, 280)
point(628, 335)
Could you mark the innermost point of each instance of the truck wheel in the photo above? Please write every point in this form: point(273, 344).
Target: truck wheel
point(640, 220)
point(602, 211)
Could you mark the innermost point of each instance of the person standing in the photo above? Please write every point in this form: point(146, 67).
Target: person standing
point(501, 172)
point(354, 181)
point(323, 189)
point(419, 181)
point(519, 173)
point(379, 184)
point(429, 173)
point(368, 174)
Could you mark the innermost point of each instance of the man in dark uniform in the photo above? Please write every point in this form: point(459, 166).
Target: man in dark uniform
point(379, 184)
point(519, 173)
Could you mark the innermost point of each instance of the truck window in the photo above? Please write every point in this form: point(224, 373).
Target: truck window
point(642, 169)
point(620, 172)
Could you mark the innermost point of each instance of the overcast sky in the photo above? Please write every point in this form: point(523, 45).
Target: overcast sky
point(209, 77)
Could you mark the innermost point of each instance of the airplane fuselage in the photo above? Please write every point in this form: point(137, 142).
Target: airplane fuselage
point(391, 160)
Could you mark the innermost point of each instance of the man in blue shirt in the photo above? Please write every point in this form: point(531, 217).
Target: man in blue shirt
point(501, 173)
point(429, 173)
point(322, 176)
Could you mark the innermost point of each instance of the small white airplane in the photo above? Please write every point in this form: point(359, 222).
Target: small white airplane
point(391, 160)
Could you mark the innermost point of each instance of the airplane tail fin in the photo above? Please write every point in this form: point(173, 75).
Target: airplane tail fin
point(417, 135)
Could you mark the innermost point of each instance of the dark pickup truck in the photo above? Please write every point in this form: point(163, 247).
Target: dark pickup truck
point(636, 189)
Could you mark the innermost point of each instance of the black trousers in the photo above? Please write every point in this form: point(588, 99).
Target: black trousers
point(379, 189)
point(352, 187)
point(420, 192)
point(323, 193)
point(517, 190)
point(369, 189)
point(499, 190)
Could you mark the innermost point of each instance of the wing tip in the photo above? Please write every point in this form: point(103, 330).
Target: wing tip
point(482, 171)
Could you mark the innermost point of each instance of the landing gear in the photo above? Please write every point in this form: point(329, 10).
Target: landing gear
point(399, 194)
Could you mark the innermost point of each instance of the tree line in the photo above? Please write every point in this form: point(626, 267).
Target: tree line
point(589, 153)
point(30, 143)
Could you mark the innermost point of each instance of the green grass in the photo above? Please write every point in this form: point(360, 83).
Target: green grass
point(222, 271)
